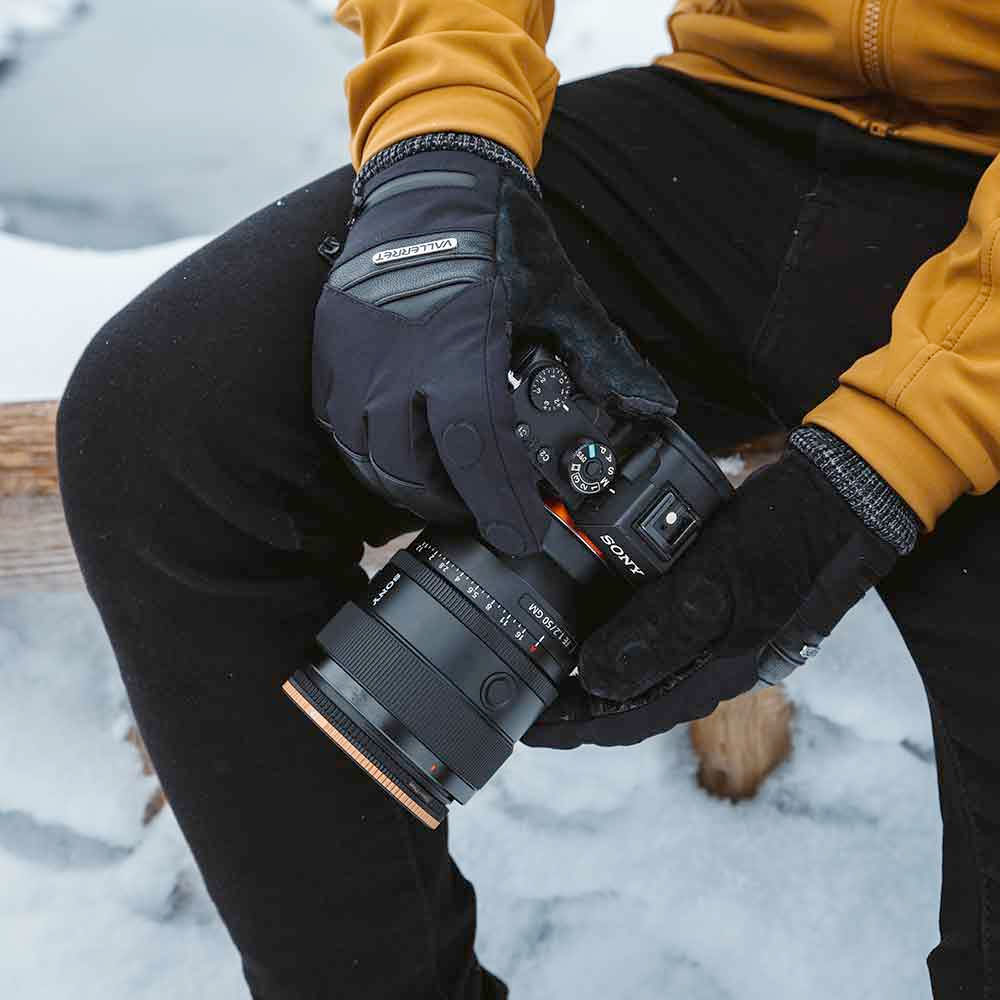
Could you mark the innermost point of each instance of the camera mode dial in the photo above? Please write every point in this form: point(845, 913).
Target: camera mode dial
point(590, 466)
point(550, 388)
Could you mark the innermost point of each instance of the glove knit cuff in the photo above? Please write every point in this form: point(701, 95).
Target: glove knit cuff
point(462, 142)
point(882, 510)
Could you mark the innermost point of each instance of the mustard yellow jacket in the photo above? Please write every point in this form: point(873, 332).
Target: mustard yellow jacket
point(924, 409)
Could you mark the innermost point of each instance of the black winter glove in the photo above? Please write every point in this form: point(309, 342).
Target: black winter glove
point(779, 565)
point(448, 256)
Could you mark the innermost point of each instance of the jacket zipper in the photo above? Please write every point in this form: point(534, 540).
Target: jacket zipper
point(872, 18)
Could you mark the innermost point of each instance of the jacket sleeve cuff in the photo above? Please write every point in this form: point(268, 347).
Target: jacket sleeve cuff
point(471, 109)
point(913, 465)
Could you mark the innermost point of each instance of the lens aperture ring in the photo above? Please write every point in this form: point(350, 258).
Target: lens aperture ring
point(476, 622)
point(557, 658)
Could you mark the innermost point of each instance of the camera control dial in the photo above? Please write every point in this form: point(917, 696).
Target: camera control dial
point(550, 388)
point(590, 466)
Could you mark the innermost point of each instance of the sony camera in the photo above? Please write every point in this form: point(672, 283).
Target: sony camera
point(455, 650)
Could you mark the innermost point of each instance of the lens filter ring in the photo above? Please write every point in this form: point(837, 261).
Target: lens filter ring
point(362, 748)
point(394, 680)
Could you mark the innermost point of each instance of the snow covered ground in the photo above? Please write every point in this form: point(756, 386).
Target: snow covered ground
point(21, 20)
point(825, 886)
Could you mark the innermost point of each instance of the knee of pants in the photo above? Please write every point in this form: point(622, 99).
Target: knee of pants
point(156, 447)
point(104, 428)
point(179, 445)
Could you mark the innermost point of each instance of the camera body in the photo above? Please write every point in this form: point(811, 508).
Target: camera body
point(640, 497)
point(429, 679)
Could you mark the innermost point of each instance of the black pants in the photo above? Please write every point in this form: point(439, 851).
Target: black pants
point(752, 249)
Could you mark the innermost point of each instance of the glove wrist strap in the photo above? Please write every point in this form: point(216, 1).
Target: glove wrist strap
point(462, 142)
point(882, 510)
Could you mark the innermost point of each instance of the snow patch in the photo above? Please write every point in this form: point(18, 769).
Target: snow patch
point(731, 465)
point(24, 19)
point(599, 872)
point(63, 759)
point(55, 299)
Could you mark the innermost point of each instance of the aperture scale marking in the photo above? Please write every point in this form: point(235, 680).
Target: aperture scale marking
point(483, 599)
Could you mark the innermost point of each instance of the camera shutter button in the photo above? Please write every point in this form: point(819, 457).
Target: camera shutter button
point(498, 690)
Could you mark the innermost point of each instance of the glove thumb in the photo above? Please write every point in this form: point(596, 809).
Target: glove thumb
point(548, 298)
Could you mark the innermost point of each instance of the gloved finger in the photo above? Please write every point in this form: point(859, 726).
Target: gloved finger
point(499, 488)
point(339, 388)
point(548, 295)
point(577, 718)
point(606, 366)
point(405, 462)
point(854, 570)
point(663, 627)
point(471, 417)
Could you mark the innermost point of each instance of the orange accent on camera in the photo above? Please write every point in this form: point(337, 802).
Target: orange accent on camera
point(559, 510)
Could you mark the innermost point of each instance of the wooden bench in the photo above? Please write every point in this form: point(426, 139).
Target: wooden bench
point(737, 746)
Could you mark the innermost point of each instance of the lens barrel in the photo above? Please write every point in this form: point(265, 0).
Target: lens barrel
point(430, 679)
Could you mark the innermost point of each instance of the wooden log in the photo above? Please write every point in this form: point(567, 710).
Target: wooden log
point(157, 800)
point(28, 449)
point(742, 742)
point(756, 454)
point(35, 550)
